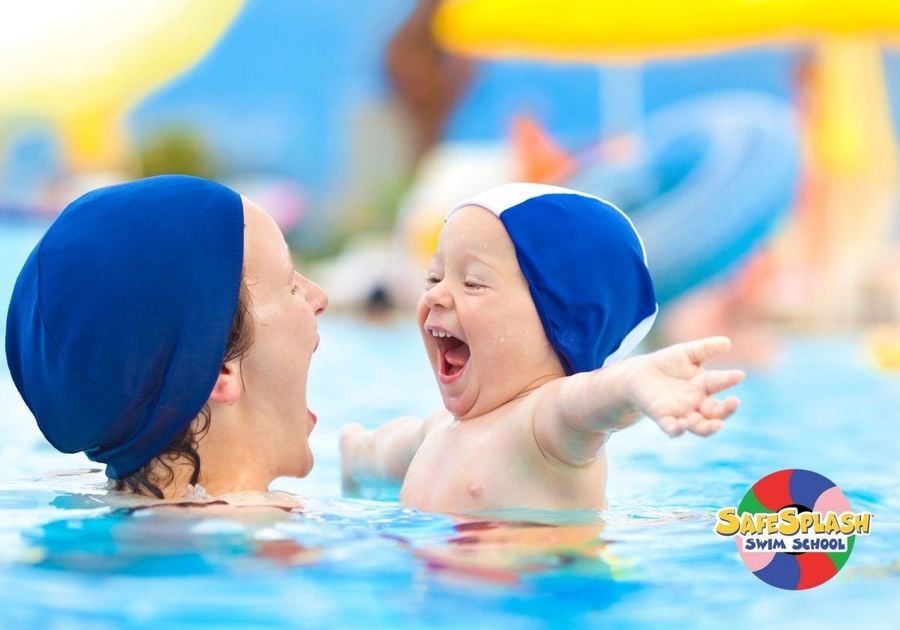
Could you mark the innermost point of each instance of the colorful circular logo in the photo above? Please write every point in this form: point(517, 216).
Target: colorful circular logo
point(794, 528)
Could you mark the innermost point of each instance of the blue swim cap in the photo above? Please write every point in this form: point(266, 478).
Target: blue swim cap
point(119, 319)
point(585, 266)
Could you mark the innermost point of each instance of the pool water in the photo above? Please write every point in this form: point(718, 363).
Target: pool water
point(70, 559)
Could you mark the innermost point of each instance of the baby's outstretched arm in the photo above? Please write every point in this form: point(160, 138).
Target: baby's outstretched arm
point(381, 454)
point(670, 386)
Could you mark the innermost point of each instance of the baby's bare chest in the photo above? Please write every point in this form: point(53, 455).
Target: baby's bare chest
point(458, 468)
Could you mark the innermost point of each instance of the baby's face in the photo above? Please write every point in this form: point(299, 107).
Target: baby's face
point(481, 330)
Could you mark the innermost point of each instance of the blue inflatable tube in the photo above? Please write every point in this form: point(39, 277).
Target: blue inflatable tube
point(714, 178)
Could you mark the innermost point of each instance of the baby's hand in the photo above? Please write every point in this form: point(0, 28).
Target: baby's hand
point(379, 456)
point(671, 386)
point(351, 437)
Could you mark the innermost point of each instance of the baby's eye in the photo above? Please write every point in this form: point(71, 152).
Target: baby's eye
point(472, 284)
point(431, 279)
point(294, 290)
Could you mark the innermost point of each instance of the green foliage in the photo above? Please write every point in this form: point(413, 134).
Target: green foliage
point(176, 150)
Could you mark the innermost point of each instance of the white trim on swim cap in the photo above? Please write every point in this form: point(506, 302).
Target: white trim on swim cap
point(632, 339)
point(501, 198)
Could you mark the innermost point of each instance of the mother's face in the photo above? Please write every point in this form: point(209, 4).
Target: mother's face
point(274, 371)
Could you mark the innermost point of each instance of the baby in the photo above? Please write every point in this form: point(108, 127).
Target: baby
point(534, 297)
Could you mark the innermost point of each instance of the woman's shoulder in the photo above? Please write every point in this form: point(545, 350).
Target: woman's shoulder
point(196, 499)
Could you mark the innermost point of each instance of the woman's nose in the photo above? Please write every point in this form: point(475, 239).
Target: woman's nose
point(316, 297)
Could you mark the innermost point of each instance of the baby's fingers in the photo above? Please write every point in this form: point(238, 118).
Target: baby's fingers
point(719, 409)
point(349, 433)
point(706, 426)
point(703, 350)
point(673, 426)
point(718, 380)
point(350, 428)
point(699, 425)
point(713, 413)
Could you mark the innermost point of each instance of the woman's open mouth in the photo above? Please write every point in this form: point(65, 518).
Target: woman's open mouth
point(453, 356)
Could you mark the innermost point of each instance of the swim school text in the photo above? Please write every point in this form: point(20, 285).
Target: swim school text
point(790, 530)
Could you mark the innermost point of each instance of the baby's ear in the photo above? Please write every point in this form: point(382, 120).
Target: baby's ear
point(228, 387)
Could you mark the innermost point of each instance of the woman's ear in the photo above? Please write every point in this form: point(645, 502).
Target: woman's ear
point(229, 386)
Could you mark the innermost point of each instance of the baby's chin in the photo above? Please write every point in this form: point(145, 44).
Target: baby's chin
point(462, 403)
point(471, 402)
point(460, 412)
point(473, 395)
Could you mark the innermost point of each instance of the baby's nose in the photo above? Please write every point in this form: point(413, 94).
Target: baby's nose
point(438, 295)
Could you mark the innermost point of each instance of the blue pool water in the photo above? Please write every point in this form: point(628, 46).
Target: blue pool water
point(69, 559)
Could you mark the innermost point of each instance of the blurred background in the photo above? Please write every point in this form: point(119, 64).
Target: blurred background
point(753, 144)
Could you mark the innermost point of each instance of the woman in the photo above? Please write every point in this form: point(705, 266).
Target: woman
point(160, 327)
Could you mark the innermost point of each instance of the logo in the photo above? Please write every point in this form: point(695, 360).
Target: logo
point(794, 529)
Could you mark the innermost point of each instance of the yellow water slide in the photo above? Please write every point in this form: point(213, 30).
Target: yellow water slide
point(646, 29)
point(82, 64)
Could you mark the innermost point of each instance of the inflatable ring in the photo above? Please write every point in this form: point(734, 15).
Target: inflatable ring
point(714, 179)
point(807, 491)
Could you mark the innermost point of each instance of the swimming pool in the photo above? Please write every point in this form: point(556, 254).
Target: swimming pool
point(67, 559)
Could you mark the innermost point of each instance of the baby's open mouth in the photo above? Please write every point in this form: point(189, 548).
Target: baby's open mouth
point(453, 356)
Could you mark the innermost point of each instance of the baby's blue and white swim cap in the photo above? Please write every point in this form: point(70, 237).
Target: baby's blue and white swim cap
point(586, 268)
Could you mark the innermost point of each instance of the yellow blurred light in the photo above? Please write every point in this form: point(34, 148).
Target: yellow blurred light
point(82, 64)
